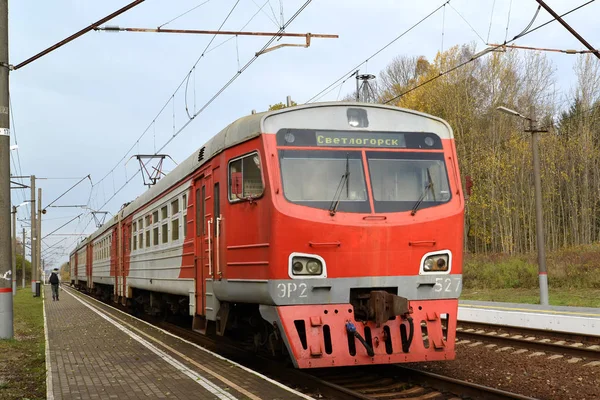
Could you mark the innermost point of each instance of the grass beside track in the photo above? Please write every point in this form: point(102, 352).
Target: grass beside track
point(23, 359)
point(558, 297)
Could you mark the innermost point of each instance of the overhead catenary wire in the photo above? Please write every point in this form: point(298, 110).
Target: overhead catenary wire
point(482, 53)
point(467, 22)
point(491, 19)
point(68, 190)
point(215, 96)
point(166, 104)
point(508, 21)
point(185, 13)
point(352, 70)
point(62, 226)
point(264, 12)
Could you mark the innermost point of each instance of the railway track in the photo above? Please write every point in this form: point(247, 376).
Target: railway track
point(531, 340)
point(382, 382)
point(387, 382)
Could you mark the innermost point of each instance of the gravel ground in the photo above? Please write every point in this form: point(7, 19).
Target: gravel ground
point(536, 377)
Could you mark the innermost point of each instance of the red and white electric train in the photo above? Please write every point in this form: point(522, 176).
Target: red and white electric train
point(331, 231)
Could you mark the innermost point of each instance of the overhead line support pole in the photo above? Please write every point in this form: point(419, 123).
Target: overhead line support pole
point(568, 27)
point(539, 219)
point(34, 237)
point(14, 250)
point(6, 298)
point(38, 250)
point(23, 261)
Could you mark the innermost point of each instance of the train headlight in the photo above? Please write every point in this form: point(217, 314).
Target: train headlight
point(437, 262)
point(306, 266)
point(314, 267)
point(297, 267)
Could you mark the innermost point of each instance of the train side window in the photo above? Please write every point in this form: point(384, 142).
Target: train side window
point(245, 178)
point(175, 229)
point(165, 233)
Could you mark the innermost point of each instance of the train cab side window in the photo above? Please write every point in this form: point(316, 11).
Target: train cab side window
point(245, 178)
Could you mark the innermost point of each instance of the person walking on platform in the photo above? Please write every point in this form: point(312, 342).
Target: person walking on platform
point(54, 281)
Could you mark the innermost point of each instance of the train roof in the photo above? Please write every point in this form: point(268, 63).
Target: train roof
point(253, 125)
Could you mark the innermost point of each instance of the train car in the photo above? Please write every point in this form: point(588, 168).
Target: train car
point(329, 232)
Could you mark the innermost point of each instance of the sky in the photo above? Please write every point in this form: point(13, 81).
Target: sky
point(81, 109)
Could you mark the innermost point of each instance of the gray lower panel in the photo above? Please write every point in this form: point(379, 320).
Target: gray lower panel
point(334, 290)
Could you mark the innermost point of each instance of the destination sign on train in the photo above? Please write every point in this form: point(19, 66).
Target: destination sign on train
point(359, 139)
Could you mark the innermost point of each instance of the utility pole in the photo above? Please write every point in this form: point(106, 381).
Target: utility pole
point(39, 244)
point(539, 220)
point(33, 235)
point(6, 298)
point(14, 250)
point(23, 260)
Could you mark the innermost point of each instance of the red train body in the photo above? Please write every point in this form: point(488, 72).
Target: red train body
point(332, 232)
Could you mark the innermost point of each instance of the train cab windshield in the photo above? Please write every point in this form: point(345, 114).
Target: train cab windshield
point(399, 180)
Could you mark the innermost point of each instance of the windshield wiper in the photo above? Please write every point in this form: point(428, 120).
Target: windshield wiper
point(427, 188)
point(338, 193)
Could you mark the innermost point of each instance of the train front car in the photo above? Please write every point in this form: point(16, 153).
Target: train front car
point(367, 234)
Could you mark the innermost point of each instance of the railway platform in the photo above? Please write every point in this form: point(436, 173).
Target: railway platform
point(580, 320)
point(94, 351)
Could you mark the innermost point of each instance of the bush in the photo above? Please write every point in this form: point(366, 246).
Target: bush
point(573, 268)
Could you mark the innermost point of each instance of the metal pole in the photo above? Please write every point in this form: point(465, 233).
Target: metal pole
point(539, 221)
point(39, 243)
point(14, 250)
point(33, 234)
point(6, 298)
point(23, 259)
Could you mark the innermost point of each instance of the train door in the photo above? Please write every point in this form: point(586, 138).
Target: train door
point(217, 241)
point(200, 248)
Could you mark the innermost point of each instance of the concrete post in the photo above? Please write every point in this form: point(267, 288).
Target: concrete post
point(38, 271)
point(539, 220)
point(14, 250)
point(23, 260)
point(33, 235)
point(6, 298)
